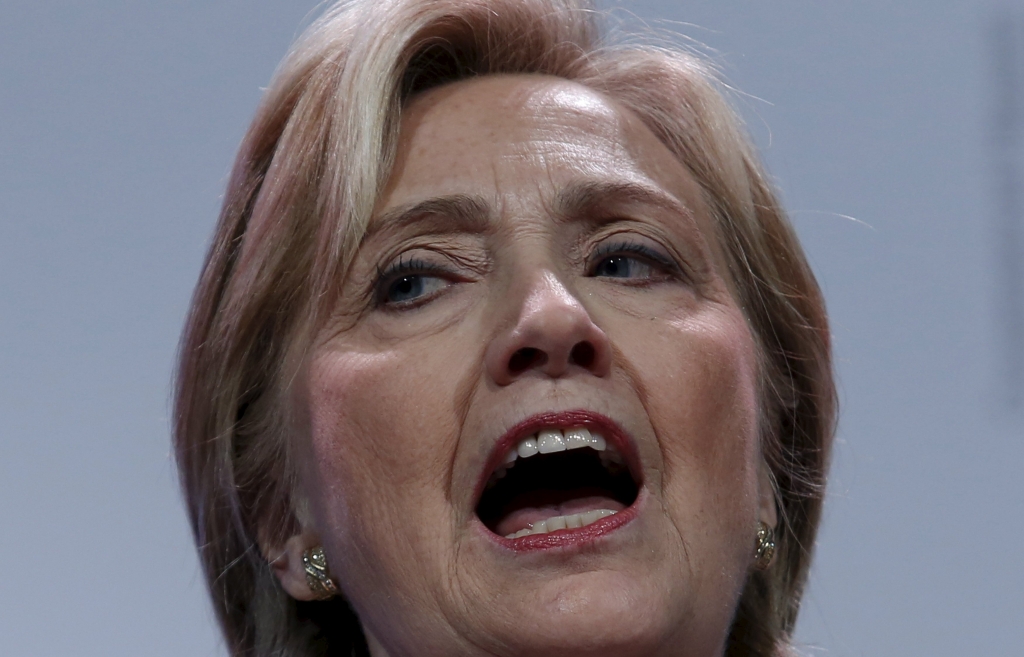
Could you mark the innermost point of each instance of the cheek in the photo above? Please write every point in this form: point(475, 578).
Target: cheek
point(361, 412)
point(381, 434)
point(699, 380)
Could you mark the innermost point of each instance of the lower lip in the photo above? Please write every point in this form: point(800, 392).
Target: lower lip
point(571, 538)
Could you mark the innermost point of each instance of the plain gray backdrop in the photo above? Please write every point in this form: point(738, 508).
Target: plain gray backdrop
point(118, 125)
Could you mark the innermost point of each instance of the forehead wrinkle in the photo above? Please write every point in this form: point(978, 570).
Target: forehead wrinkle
point(559, 107)
point(557, 141)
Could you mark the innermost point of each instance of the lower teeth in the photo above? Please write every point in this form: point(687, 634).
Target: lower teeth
point(574, 521)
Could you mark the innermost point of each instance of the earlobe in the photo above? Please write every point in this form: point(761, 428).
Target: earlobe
point(764, 550)
point(767, 509)
point(292, 565)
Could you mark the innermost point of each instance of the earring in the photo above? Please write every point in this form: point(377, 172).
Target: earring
point(765, 546)
point(318, 577)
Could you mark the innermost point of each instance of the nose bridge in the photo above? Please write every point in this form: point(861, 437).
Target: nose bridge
point(535, 287)
point(549, 329)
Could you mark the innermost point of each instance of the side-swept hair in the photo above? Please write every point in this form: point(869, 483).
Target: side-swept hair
point(300, 195)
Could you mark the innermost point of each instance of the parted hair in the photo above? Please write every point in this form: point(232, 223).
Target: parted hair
point(300, 195)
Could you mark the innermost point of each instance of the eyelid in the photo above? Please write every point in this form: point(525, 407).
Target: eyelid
point(440, 258)
point(630, 246)
point(411, 266)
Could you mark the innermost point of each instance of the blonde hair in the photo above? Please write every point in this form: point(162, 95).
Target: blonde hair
point(300, 195)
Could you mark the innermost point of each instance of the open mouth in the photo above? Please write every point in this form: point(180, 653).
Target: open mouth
point(556, 479)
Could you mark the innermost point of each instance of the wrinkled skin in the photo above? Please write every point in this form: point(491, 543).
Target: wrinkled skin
point(407, 391)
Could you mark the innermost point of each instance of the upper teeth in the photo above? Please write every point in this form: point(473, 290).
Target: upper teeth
point(555, 440)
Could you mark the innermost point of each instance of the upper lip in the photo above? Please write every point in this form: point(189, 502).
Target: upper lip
point(616, 436)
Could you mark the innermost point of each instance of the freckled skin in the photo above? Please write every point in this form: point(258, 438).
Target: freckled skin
point(404, 406)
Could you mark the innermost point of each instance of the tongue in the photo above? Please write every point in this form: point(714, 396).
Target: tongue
point(523, 517)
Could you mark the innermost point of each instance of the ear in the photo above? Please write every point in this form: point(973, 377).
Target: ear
point(286, 562)
point(767, 508)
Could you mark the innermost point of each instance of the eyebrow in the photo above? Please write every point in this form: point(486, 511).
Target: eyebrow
point(472, 214)
point(580, 200)
point(453, 213)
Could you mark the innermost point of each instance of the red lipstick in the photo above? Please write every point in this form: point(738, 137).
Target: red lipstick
point(618, 442)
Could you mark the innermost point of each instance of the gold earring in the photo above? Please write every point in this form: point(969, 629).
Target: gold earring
point(318, 577)
point(765, 546)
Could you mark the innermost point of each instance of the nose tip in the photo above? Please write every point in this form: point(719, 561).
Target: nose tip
point(553, 335)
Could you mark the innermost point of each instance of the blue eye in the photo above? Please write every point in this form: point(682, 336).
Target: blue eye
point(412, 287)
point(622, 266)
point(631, 261)
point(407, 282)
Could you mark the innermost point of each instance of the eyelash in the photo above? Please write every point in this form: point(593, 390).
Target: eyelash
point(386, 277)
point(652, 256)
point(399, 269)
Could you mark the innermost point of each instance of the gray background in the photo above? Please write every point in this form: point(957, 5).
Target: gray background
point(118, 125)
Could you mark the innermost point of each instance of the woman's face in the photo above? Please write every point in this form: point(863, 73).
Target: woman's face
point(540, 275)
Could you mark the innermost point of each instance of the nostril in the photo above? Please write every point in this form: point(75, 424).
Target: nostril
point(583, 354)
point(526, 358)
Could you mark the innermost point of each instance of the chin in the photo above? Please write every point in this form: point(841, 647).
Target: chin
point(595, 613)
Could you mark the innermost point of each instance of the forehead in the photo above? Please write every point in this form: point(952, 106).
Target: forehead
point(498, 137)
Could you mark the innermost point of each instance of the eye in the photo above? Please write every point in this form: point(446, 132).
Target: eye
point(622, 266)
point(412, 287)
point(410, 282)
point(631, 262)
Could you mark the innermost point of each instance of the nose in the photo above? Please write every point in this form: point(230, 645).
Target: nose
point(553, 334)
